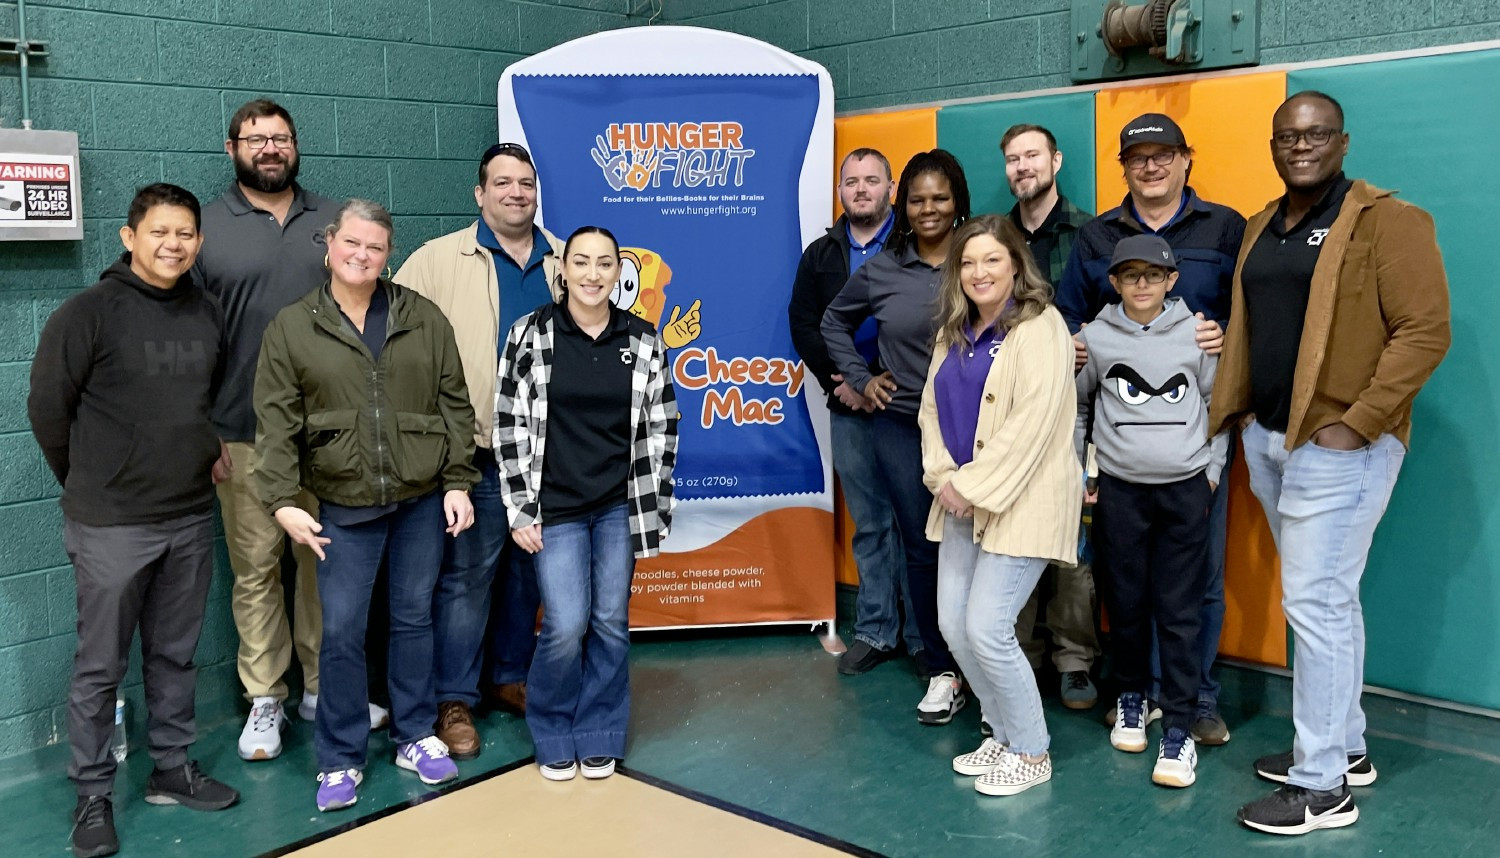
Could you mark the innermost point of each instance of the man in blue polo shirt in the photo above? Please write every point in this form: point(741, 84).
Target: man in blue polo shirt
point(1205, 238)
point(854, 239)
point(484, 277)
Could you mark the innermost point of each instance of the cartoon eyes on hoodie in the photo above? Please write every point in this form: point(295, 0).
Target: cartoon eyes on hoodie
point(1135, 390)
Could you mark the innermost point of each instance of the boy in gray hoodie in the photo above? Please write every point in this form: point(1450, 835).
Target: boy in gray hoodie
point(1145, 389)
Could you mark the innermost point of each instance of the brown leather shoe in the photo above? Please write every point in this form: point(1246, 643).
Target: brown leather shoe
point(455, 727)
point(507, 697)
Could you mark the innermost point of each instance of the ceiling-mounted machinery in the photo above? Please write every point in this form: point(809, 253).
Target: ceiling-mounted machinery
point(1119, 38)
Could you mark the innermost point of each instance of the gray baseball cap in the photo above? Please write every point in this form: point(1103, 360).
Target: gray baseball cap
point(1151, 249)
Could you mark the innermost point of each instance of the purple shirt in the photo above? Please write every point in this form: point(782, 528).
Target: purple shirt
point(959, 388)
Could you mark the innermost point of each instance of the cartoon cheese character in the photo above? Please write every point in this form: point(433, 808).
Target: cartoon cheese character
point(642, 290)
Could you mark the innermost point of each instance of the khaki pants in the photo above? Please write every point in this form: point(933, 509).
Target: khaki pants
point(1070, 617)
point(255, 545)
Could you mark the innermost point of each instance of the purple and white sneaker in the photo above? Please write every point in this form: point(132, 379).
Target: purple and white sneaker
point(338, 790)
point(428, 758)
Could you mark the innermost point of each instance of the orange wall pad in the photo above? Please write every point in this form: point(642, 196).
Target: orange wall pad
point(773, 568)
point(1254, 626)
point(897, 135)
point(1227, 121)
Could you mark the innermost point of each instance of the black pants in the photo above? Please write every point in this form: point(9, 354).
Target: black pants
point(1156, 538)
point(155, 576)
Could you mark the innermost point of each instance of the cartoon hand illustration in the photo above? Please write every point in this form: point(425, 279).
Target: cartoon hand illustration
point(614, 166)
point(678, 332)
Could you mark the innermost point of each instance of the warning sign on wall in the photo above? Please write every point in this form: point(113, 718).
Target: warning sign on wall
point(38, 190)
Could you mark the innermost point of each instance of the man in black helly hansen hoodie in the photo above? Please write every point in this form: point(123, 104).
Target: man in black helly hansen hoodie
point(121, 386)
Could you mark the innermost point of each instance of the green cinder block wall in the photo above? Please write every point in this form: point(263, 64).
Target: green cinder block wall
point(393, 99)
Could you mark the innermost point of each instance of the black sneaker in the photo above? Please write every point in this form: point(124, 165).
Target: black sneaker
point(94, 827)
point(189, 787)
point(1275, 767)
point(1294, 810)
point(860, 658)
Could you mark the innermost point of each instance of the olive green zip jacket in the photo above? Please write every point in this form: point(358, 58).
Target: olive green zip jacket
point(353, 430)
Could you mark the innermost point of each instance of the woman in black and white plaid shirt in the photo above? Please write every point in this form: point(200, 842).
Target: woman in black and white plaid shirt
point(590, 380)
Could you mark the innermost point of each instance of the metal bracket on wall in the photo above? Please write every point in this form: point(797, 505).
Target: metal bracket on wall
point(1113, 39)
point(13, 47)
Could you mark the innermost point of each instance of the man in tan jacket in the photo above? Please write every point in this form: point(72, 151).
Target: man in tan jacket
point(1340, 316)
point(484, 277)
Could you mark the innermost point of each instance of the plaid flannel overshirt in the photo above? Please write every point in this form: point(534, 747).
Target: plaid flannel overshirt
point(520, 433)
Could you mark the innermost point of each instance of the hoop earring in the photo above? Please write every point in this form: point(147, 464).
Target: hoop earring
point(326, 266)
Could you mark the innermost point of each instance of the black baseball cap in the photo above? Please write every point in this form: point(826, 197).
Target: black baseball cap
point(1151, 128)
point(1151, 249)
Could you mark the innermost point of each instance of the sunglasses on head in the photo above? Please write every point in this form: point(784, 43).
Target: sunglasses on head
point(513, 149)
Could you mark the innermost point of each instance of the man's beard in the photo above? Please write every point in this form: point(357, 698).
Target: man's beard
point(875, 218)
point(1040, 188)
point(250, 177)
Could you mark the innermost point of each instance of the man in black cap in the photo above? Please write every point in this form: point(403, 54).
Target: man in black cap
point(1205, 238)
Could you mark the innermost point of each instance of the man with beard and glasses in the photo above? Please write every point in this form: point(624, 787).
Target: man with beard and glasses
point(263, 249)
point(1049, 222)
point(858, 236)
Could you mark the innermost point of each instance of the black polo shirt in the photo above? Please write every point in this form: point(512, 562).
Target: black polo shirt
point(1277, 279)
point(1044, 240)
point(256, 266)
point(587, 463)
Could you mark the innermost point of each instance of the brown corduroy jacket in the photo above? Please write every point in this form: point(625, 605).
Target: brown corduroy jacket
point(1377, 322)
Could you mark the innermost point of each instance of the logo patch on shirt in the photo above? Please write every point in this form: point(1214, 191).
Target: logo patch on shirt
point(625, 354)
point(995, 349)
point(1316, 238)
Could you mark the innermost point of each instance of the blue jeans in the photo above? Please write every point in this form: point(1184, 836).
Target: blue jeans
point(410, 539)
point(876, 543)
point(473, 600)
point(979, 595)
point(578, 691)
point(1323, 506)
point(898, 452)
point(461, 605)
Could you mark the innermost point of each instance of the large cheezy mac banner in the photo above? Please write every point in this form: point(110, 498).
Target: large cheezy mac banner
point(708, 155)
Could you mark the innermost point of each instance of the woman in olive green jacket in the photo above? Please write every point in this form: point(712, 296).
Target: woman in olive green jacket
point(360, 399)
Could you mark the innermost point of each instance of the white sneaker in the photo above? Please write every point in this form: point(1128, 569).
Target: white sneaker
point(980, 761)
point(261, 738)
point(1176, 760)
point(1129, 732)
point(1013, 774)
point(380, 717)
point(307, 710)
point(945, 696)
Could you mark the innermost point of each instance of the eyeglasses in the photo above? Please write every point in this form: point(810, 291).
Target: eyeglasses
point(1154, 276)
point(259, 141)
point(1315, 137)
point(1160, 159)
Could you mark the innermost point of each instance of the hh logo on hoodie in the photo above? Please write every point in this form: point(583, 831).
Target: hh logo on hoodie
point(176, 357)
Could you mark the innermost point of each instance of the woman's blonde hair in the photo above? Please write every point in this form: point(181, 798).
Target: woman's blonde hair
point(1030, 293)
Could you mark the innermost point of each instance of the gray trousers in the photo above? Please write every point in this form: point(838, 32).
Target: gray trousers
point(154, 576)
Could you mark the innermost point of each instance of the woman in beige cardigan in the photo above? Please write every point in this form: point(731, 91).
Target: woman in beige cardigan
point(997, 450)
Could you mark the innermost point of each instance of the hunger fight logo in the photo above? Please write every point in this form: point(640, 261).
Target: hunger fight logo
point(637, 155)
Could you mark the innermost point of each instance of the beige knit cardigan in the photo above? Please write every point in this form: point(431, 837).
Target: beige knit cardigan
point(1025, 481)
